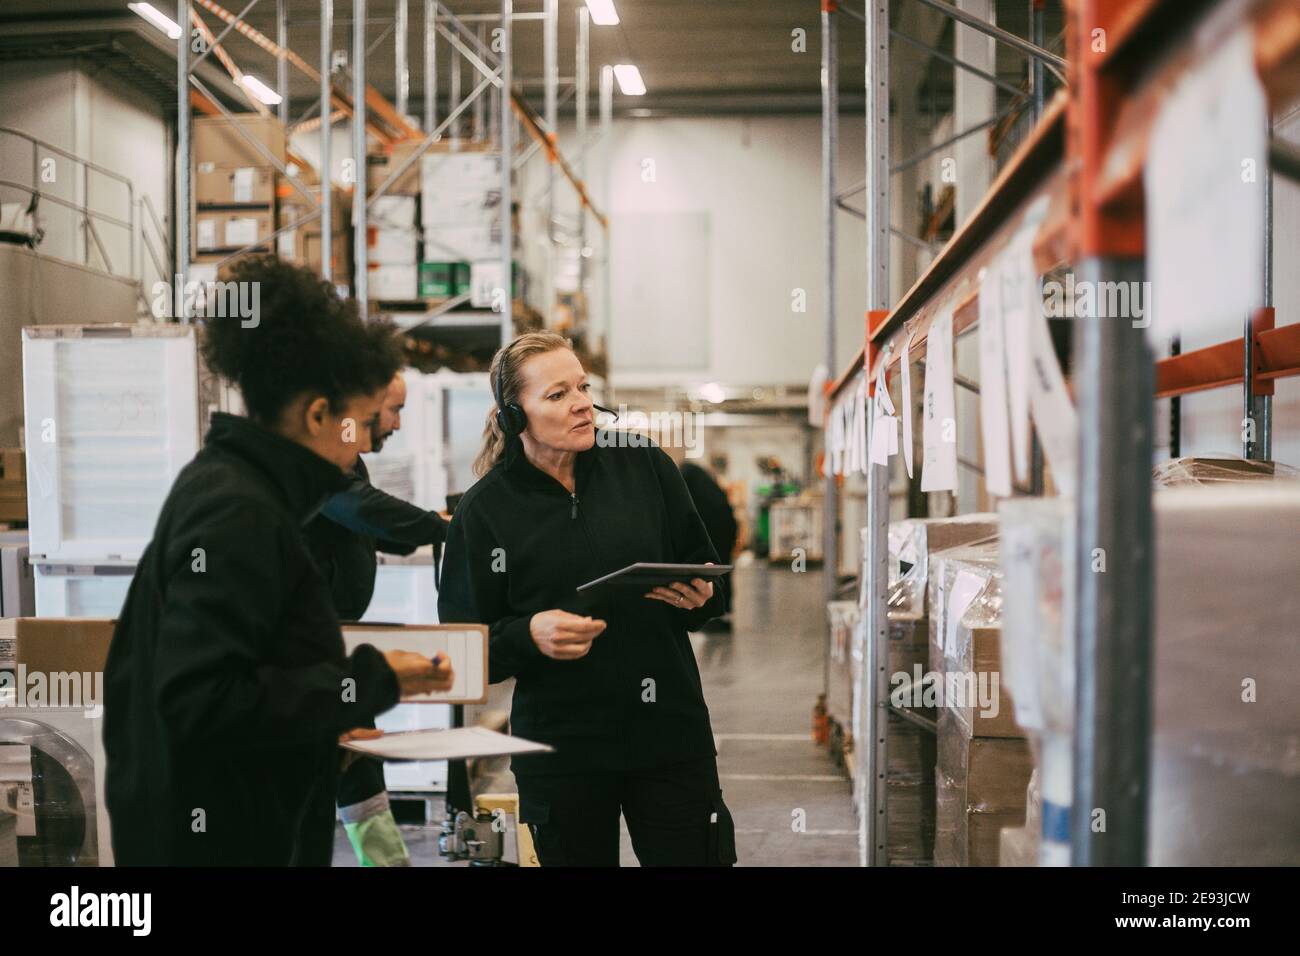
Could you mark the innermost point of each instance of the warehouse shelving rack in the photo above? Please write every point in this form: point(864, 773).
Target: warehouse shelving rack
point(374, 115)
point(1087, 155)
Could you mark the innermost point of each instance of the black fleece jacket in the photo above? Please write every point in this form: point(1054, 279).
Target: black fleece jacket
point(227, 684)
point(355, 523)
point(519, 544)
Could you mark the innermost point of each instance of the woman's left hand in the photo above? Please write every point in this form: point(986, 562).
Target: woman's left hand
point(685, 596)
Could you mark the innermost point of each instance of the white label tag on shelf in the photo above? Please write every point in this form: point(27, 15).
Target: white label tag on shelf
point(993, 384)
point(241, 232)
point(1015, 275)
point(939, 431)
point(1055, 417)
point(1207, 163)
point(835, 440)
point(905, 365)
point(207, 234)
point(243, 189)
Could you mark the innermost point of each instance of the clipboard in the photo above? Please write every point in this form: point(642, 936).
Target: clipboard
point(636, 580)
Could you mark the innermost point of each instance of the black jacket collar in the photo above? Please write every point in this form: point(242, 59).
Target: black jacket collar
point(515, 462)
point(301, 477)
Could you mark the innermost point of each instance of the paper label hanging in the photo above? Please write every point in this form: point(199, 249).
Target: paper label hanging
point(993, 385)
point(939, 429)
point(905, 363)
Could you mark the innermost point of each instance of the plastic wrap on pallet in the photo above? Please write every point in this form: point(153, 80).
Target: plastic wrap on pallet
point(910, 791)
point(843, 617)
point(1212, 470)
point(1226, 767)
point(913, 543)
point(980, 786)
point(1019, 845)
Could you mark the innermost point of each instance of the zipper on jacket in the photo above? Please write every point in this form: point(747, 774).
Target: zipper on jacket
point(573, 512)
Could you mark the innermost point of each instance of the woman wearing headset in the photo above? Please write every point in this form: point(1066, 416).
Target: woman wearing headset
point(611, 684)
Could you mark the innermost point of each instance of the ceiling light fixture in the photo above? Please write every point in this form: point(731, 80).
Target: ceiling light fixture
point(160, 20)
point(259, 89)
point(629, 79)
point(602, 12)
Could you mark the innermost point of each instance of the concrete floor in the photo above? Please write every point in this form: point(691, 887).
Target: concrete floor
point(760, 683)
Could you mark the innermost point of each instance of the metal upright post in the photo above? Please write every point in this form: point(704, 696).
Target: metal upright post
point(830, 137)
point(1036, 20)
point(481, 31)
point(507, 163)
point(1258, 409)
point(430, 66)
point(607, 174)
point(551, 73)
point(402, 75)
point(326, 160)
point(875, 819)
point(582, 62)
point(359, 237)
point(182, 264)
point(453, 96)
point(281, 62)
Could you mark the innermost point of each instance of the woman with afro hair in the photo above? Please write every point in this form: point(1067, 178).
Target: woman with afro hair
point(227, 686)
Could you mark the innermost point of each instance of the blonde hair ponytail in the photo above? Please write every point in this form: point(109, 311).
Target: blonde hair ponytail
point(504, 378)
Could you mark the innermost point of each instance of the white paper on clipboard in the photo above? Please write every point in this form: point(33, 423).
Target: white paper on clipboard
point(1206, 165)
point(459, 743)
point(939, 431)
point(464, 645)
point(993, 384)
point(905, 364)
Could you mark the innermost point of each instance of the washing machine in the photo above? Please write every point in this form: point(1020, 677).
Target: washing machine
point(52, 810)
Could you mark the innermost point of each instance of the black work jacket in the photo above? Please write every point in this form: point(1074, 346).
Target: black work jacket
point(519, 543)
point(227, 683)
point(352, 526)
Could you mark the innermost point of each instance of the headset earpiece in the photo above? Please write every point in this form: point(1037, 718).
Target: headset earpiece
point(510, 415)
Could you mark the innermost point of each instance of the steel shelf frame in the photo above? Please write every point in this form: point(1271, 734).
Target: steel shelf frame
point(1095, 221)
point(509, 112)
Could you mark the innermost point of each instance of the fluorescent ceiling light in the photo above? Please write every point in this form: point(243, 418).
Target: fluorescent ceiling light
point(259, 89)
point(629, 79)
point(602, 12)
point(161, 21)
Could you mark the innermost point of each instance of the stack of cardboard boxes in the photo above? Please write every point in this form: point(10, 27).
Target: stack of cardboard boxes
point(984, 761)
point(460, 212)
point(235, 185)
point(914, 546)
point(303, 246)
point(13, 486)
point(393, 248)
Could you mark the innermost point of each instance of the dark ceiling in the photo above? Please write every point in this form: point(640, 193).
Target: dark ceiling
point(696, 56)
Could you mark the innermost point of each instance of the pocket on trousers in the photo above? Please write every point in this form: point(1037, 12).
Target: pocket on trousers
point(722, 835)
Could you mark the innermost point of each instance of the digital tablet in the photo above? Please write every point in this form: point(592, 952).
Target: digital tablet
point(641, 578)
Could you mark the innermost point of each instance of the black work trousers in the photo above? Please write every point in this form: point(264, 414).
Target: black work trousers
point(675, 816)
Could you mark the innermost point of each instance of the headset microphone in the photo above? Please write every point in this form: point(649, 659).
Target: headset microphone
point(608, 411)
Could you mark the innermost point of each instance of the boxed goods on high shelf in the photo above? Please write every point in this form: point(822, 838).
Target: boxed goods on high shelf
point(13, 485)
point(17, 586)
point(984, 761)
point(393, 248)
point(235, 184)
point(111, 418)
point(303, 245)
point(460, 213)
point(1225, 764)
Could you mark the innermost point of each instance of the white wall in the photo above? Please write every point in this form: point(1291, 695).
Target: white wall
point(97, 118)
point(758, 182)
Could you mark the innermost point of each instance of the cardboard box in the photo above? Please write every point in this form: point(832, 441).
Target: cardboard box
point(217, 140)
point(340, 256)
point(980, 786)
point(474, 243)
point(294, 207)
point(231, 229)
point(393, 212)
point(397, 247)
point(393, 283)
point(379, 166)
point(227, 185)
point(48, 644)
point(443, 280)
point(13, 485)
point(978, 653)
point(485, 280)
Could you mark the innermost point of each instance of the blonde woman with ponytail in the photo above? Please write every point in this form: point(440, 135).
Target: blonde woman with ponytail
point(610, 683)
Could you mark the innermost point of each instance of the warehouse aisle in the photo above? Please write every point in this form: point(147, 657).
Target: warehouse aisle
point(761, 682)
